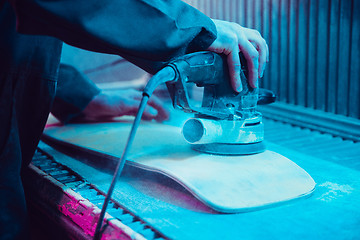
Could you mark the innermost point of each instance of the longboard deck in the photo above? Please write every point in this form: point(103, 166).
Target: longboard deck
point(224, 183)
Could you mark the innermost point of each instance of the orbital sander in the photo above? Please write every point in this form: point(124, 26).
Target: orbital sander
point(226, 122)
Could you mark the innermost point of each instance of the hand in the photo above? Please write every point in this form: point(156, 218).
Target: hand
point(232, 39)
point(115, 103)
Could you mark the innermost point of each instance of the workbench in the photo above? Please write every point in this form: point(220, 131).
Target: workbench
point(167, 210)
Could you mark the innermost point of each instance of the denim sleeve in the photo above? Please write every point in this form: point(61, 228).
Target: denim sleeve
point(148, 33)
point(74, 92)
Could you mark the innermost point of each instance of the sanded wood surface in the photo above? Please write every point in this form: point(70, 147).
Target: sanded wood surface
point(224, 183)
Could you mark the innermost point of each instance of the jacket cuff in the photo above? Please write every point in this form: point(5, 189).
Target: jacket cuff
point(74, 92)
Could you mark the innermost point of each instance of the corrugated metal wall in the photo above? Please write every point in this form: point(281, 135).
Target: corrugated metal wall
point(314, 48)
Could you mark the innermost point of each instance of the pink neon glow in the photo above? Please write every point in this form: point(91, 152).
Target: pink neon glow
point(85, 218)
point(86, 215)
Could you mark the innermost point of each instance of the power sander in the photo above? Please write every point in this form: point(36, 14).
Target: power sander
point(225, 123)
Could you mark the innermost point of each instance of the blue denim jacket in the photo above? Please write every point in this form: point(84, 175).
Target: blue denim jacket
point(146, 32)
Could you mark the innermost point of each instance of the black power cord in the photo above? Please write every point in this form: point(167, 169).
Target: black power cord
point(165, 75)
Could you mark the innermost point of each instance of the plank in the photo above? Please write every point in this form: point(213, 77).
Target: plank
point(257, 15)
point(224, 183)
point(301, 51)
point(240, 17)
point(292, 51)
point(227, 10)
point(333, 58)
point(354, 92)
point(311, 54)
point(344, 53)
point(265, 31)
point(234, 11)
point(220, 9)
point(248, 6)
point(274, 46)
point(322, 55)
point(283, 84)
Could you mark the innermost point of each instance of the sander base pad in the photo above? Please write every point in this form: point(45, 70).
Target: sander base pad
point(229, 149)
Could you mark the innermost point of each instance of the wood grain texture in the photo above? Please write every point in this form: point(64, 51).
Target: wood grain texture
point(224, 183)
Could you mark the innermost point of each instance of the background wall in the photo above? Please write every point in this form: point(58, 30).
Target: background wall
point(314, 48)
point(104, 69)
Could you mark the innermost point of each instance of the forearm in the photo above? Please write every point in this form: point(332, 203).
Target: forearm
point(146, 32)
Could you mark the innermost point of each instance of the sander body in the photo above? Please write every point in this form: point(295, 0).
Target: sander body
point(225, 122)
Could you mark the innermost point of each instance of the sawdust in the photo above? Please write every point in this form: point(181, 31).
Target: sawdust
point(334, 191)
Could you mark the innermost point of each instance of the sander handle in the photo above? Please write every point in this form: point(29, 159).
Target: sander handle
point(266, 96)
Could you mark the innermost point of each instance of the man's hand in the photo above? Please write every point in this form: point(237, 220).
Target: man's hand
point(232, 39)
point(115, 103)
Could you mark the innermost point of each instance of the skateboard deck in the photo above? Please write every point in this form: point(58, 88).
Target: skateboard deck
point(224, 183)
